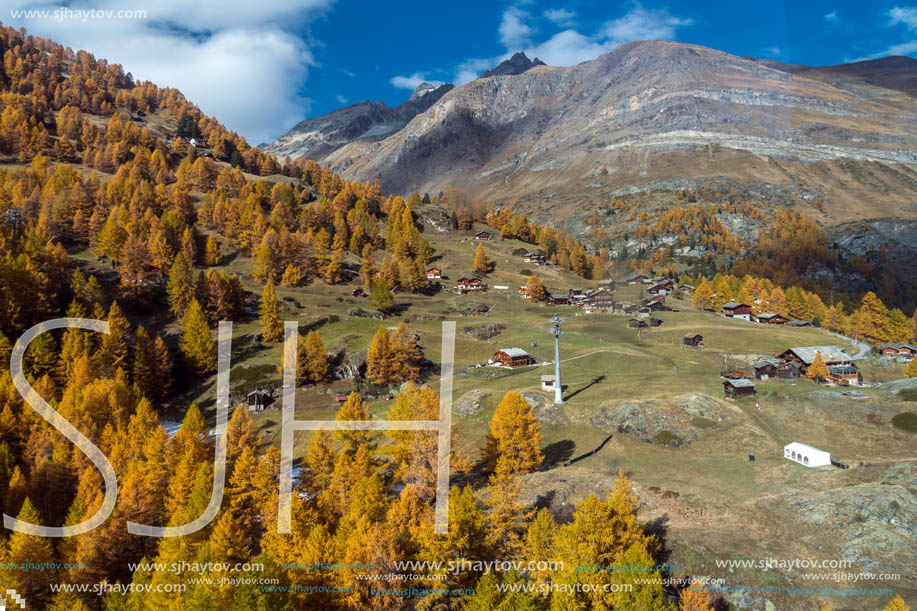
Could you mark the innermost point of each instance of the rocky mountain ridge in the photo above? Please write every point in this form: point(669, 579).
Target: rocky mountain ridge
point(317, 137)
point(555, 139)
point(517, 64)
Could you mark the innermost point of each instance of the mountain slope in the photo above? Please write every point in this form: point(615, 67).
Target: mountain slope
point(317, 137)
point(895, 72)
point(649, 113)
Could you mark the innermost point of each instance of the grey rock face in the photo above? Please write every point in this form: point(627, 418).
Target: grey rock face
point(317, 137)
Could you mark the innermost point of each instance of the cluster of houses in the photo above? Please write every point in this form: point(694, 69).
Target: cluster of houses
point(601, 299)
point(901, 351)
point(465, 284)
point(659, 289)
point(536, 258)
point(737, 309)
point(643, 323)
point(468, 284)
point(790, 364)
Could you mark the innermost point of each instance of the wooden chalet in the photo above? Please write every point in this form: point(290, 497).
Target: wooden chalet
point(434, 273)
point(482, 235)
point(769, 318)
point(693, 339)
point(736, 309)
point(257, 400)
point(661, 288)
point(635, 279)
point(766, 368)
point(557, 299)
point(901, 350)
point(654, 305)
point(655, 322)
point(600, 299)
point(533, 257)
point(804, 356)
point(736, 389)
point(636, 323)
point(771, 367)
point(358, 293)
point(844, 375)
point(799, 323)
point(468, 285)
point(513, 357)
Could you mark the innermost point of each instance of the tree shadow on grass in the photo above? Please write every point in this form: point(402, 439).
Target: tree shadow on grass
point(590, 453)
point(660, 529)
point(557, 453)
point(597, 380)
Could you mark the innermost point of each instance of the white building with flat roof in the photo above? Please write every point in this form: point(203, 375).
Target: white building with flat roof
point(806, 455)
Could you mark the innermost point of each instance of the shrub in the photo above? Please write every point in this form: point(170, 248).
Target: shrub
point(702, 423)
point(906, 421)
point(666, 438)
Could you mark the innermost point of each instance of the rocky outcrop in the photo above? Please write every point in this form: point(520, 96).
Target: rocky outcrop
point(517, 64)
point(353, 365)
point(470, 403)
point(544, 408)
point(877, 520)
point(674, 423)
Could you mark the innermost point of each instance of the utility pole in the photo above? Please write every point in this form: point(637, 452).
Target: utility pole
point(558, 387)
point(14, 217)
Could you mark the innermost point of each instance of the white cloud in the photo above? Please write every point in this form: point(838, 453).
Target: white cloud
point(903, 14)
point(564, 48)
point(900, 15)
point(770, 52)
point(571, 47)
point(469, 70)
point(642, 24)
point(561, 17)
point(568, 48)
point(904, 48)
point(234, 59)
point(341, 99)
point(514, 31)
point(412, 82)
point(832, 17)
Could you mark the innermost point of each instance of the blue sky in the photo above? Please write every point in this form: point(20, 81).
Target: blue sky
point(261, 67)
